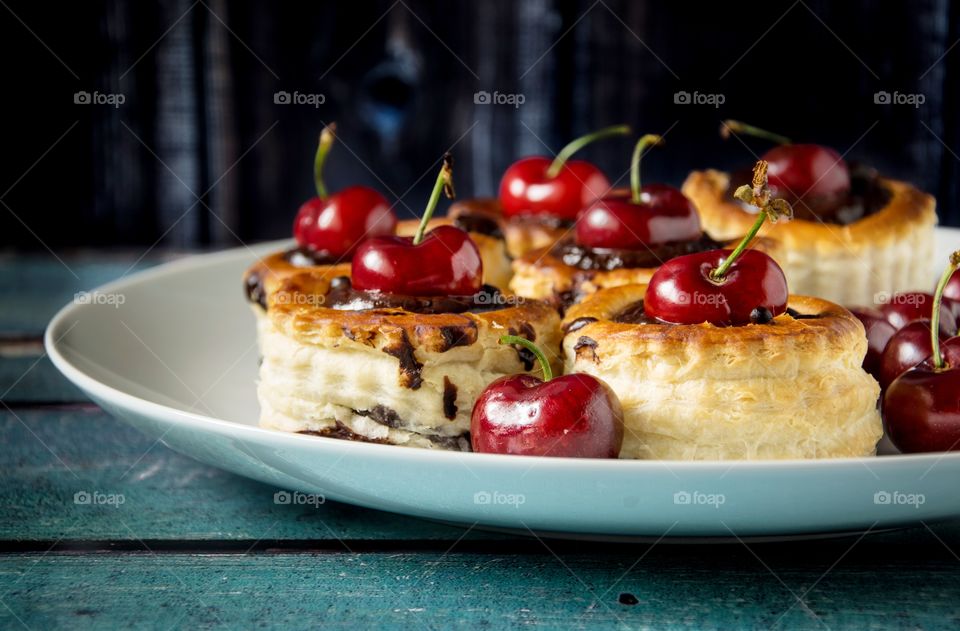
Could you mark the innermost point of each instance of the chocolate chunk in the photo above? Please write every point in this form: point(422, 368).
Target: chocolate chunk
point(577, 324)
point(454, 336)
point(761, 315)
point(410, 368)
point(585, 344)
point(634, 314)
point(253, 286)
point(449, 398)
point(587, 258)
point(383, 415)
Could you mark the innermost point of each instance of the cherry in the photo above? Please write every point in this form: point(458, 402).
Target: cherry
point(574, 416)
point(652, 214)
point(443, 261)
point(952, 295)
point(560, 187)
point(878, 331)
point(333, 225)
point(719, 286)
point(902, 308)
point(906, 348)
point(812, 177)
point(921, 408)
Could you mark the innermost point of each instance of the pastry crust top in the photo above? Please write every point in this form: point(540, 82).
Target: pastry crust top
point(907, 208)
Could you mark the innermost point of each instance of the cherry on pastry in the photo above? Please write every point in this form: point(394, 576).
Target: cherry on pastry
point(907, 347)
point(921, 408)
point(879, 331)
point(574, 416)
point(333, 225)
point(801, 171)
point(905, 307)
point(651, 214)
point(441, 262)
point(722, 287)
point(561, 187)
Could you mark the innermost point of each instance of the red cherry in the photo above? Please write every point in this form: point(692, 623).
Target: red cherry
point(906, 348)
point(951, 294)
point(648, 215)
point(921, 408)
point(719, 286)
point(560, 187)
point(902, 308)
point(446, 262)
point(878, 331)
point(333, 225)
point(337, 224)
point(811, 172)
point(443, 261)
point(574, 416)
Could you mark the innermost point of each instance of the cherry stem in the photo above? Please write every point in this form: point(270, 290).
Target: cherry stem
point(327, 136)
point(444, 184)
point(935, 316)
point(533, 348)
point(648, 140)
point(757, 194)
point(567, 152)
point(737, 127)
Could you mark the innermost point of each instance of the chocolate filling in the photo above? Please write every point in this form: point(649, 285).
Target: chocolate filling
point(866, 197)
point(525, 355)
point(634, 314)
point(449, 399)
point(607, 259)
point(383, 415)
point(454, 336)
point(305, 257)
point(253, 286)
point(479, 224)
point(585, 344)
point(577, 324)
point(344, 297)
point(410, 368)
point(343, 432)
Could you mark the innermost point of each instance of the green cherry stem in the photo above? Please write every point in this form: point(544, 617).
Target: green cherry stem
point(533, 348)
point(327, 136)
point(567, 152)
point(648, 140)
point(737, 127)
point(444, 184)
point(757, 194)
point(935, 317)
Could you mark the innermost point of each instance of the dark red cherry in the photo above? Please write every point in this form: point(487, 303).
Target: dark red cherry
point(906, 348)
point(647, 215)
point(337, 224)
point(811, 172)
point(446, 262)
point(333, 225)
point(574, 416)
point(559, 187)
point(878, 331)
point(723, 287)
point(921, 408)
point(905, 307)
point(441, 262)
point(951, 294)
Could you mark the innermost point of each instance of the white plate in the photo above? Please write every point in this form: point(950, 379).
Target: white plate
point(172, 351)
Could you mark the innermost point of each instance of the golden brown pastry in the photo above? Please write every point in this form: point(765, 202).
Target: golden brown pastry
point(522, 234)
point(790, 388)
point(886, 248)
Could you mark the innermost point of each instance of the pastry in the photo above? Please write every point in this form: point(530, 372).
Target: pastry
point(857, 236)
point(714, 360)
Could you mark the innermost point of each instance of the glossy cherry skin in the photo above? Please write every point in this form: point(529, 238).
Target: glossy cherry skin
point(908, 347)
point(905, 307)
point(664, 215)
point(445, 263)
point(526, 190)
point(951, 294)
point(336, 225)
point(807, 171)
point(681, 291)
point(879, 331)
point(574, 416)
point(921, 408)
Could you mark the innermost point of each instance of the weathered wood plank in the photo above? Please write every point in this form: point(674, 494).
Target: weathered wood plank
point(34, 286)
point(50, 455)
point(671, 587)
point(29, 377)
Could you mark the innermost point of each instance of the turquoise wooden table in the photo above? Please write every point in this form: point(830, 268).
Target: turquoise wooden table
point(173, 543)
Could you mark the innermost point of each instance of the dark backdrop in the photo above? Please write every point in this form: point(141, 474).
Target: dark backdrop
point(199, 153)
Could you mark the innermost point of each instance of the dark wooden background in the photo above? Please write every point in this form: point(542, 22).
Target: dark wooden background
point(199, 154)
